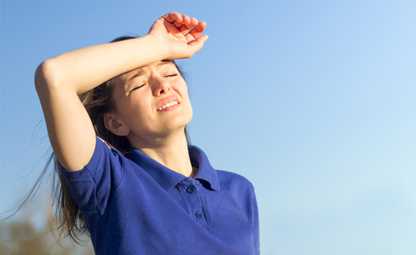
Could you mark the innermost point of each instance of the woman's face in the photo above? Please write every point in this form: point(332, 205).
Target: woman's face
point(139, 93)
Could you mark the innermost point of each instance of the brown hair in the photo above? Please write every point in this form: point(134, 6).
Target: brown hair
point(97, 102)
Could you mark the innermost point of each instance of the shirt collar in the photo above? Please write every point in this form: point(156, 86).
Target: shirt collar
point(168, 178)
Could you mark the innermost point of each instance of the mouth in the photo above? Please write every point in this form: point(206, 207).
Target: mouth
point(169, 106)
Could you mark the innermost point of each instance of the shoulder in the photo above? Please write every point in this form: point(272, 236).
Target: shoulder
point(239, 189)
point(107, 145)
point(232, 180)
point(101, 140)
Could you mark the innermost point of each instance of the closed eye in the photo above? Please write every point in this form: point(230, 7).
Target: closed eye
point(169, 75)
point(137, 87)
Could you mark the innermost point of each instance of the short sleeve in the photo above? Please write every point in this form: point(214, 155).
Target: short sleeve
point(255, 220)
point(91, 186)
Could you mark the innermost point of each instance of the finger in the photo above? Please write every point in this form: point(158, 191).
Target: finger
point(198, 29)
point(189, 37)
point(194, 21)
point(184, 29)
point(188, 27)
point(193, 37)
point(187, 20)
point(170, 27)
point(198, 43)
point(195, 29)
point(184, 23)
point(168, 16)
point(201, 26)
point(178, 17)
point(197, 35)
point(171, 16)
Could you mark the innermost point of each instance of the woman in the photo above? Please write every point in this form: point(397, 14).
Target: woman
point(116, 116)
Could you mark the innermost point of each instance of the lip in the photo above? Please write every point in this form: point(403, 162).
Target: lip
point(170, 108)
point(166, 100)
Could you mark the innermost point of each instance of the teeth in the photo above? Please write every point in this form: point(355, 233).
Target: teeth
point(167, 105)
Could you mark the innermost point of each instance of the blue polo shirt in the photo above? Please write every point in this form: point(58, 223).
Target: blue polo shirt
point(134, 205)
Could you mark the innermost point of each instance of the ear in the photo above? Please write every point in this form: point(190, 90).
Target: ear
point(115, 125)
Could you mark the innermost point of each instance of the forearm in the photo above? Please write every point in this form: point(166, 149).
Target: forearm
point(83, 69)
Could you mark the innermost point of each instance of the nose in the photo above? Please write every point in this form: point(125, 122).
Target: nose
point(159, 85)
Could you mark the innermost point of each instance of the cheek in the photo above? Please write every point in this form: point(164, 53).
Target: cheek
point(140, 107)
point(181, 88)
point(140, 116)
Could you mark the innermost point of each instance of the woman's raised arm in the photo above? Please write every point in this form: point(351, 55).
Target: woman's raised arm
point(61, 79)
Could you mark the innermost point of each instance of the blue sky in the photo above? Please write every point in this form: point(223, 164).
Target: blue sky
point(313, 101)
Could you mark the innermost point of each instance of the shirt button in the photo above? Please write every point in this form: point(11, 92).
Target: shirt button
point(198, 214)
point(190, 189)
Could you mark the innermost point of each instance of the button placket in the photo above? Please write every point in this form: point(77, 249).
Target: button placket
point(191, 188)
point(191, 194)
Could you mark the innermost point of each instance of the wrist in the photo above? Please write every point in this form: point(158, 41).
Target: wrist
point(159, 47)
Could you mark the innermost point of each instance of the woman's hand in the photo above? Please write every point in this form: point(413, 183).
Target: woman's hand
point(180, 34)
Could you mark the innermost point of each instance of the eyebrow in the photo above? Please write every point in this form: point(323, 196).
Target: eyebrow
point(140, 71)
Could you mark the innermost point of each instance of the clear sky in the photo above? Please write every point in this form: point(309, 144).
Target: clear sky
point(313, 101)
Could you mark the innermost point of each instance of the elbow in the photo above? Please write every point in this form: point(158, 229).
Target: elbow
point(45, 74)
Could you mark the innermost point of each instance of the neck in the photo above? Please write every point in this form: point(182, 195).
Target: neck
point(171, 151)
